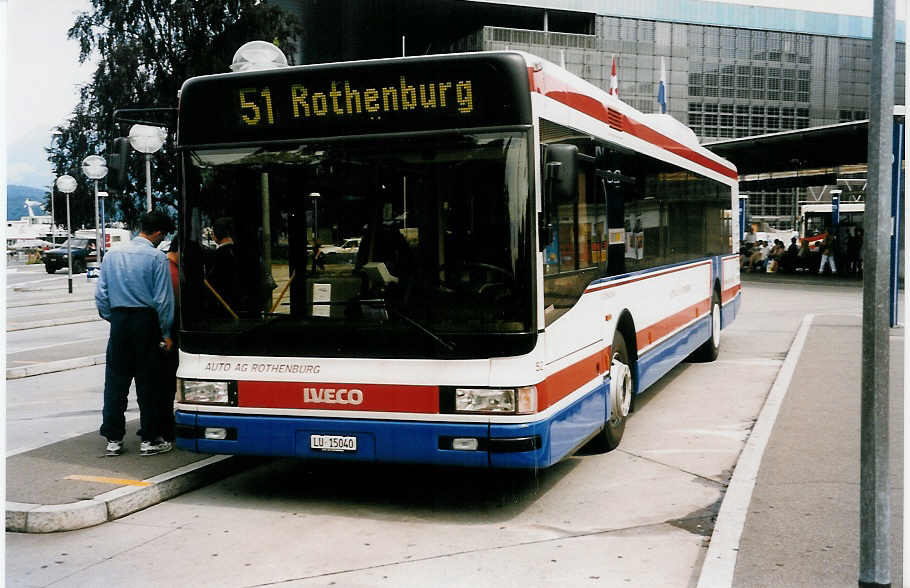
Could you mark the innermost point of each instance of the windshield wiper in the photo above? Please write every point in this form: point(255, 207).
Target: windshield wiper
point(383, 303)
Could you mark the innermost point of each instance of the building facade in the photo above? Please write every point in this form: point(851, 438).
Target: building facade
point(732, 70)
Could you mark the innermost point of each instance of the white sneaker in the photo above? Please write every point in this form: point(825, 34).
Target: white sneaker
point(114, 448)
point(155, 447)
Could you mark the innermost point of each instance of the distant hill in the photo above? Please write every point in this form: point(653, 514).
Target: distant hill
point(16, 197)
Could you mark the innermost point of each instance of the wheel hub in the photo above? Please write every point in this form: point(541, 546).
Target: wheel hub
point(620, 388)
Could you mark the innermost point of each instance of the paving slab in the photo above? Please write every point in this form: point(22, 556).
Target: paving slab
point(72, 484)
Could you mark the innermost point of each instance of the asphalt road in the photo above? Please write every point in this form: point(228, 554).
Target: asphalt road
point(638, 516)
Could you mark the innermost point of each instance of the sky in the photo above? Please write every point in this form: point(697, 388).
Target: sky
point(43, 74)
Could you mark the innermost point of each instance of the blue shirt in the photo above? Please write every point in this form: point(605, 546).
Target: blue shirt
point(136, 275)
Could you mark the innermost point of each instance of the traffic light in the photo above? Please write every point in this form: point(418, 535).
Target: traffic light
point(118, 164)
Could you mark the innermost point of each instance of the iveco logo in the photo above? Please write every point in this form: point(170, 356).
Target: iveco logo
point(333, 396)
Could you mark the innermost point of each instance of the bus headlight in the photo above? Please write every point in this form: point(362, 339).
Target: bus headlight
point(205, 391)
point(497, 400)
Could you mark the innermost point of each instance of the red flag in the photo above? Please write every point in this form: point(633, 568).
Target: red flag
point(614, 82)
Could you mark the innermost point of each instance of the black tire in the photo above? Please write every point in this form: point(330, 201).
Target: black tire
point(78, 266)
point(622, 379)
point(49, 268)
point(710, 348)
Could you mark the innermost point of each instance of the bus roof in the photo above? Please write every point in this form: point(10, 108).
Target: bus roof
point(661, 130)
point(410, 94)
point(826, 207)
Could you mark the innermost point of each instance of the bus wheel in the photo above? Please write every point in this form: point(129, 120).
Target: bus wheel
point(619, 397)
point(710, 348)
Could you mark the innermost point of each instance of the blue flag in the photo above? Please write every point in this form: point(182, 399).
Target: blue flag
point(662, 87)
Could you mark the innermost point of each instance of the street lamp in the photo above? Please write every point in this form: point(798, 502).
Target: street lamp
point(54, 134)
point(95, 168)
point(315, 196)
point(67, 185)
point(147, 140)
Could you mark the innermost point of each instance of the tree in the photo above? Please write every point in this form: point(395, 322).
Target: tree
point(147, 49)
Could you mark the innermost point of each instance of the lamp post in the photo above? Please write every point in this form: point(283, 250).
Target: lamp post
point(315, 196)
point(67, 185)
point(54, 134)
point(53, 220)
point(95, 168)
point(147, 140)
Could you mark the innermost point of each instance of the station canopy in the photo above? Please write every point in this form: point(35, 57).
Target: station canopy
point(800, 158)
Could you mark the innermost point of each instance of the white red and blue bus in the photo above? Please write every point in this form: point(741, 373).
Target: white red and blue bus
point(533, 253)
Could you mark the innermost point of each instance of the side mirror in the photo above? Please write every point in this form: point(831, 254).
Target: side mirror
point(563, 184)
point(560, 176)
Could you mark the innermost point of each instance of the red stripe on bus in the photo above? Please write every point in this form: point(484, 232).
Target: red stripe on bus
point(569, 379)
point(322, 396)
point(561, 92)
point(672, 323)
point(730, 293)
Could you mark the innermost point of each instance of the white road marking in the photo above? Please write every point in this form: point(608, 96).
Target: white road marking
point(720, 561)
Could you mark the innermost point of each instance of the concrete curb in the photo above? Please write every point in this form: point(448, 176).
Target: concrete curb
point(55, 366)
point(52, 322)
point(38, 518)
point(720, 562)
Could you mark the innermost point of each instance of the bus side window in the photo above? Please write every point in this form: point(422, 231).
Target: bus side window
point(577, 213)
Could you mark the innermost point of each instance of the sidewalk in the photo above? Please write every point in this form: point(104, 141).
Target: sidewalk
point(801, 522)
point(72, 484)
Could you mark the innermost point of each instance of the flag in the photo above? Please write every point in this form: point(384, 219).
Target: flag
point(614, 83)
point(662, 87)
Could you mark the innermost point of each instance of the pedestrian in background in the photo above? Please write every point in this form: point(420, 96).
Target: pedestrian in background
point(827, 249)
point(135, 296)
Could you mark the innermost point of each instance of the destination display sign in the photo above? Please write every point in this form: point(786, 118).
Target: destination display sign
point(357, 98)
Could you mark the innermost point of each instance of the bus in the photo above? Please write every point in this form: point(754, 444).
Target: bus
point(816, 218)
point(533, 254)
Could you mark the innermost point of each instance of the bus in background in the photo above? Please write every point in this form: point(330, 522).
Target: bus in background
point(815, 218)
point(533, 253)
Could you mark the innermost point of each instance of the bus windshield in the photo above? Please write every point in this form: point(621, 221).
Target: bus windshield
point(392, 247)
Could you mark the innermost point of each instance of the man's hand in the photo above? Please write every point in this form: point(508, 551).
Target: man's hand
point(168, 343)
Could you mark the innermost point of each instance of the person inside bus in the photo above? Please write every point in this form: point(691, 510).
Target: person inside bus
point(223, 276)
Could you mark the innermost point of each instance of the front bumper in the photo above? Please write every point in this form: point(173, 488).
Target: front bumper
point(499, 446)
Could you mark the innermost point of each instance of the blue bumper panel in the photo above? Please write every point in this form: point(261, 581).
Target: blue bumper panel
point(660, 360)
point(560, 436)
point(730, 310)
point(380, 441)
point(532, 445)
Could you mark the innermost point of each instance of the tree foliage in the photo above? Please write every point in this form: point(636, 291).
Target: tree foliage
point(146, 49)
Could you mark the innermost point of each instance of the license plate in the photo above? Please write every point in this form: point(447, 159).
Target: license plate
point(333, 443)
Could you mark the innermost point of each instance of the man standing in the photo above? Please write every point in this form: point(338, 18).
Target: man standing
point(827, 249)
point(134, 295)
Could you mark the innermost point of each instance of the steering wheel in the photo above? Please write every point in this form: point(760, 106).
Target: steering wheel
point(485, 286)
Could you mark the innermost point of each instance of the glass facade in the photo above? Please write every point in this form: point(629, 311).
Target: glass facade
point(723, 81)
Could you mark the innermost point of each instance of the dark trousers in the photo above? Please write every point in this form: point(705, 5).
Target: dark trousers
point(167, 392)
point(133, 353)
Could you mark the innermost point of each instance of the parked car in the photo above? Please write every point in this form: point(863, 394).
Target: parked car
point(351, 245)
point(83, 252)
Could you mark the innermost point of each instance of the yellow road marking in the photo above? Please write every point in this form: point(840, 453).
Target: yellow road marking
point(104, 480)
